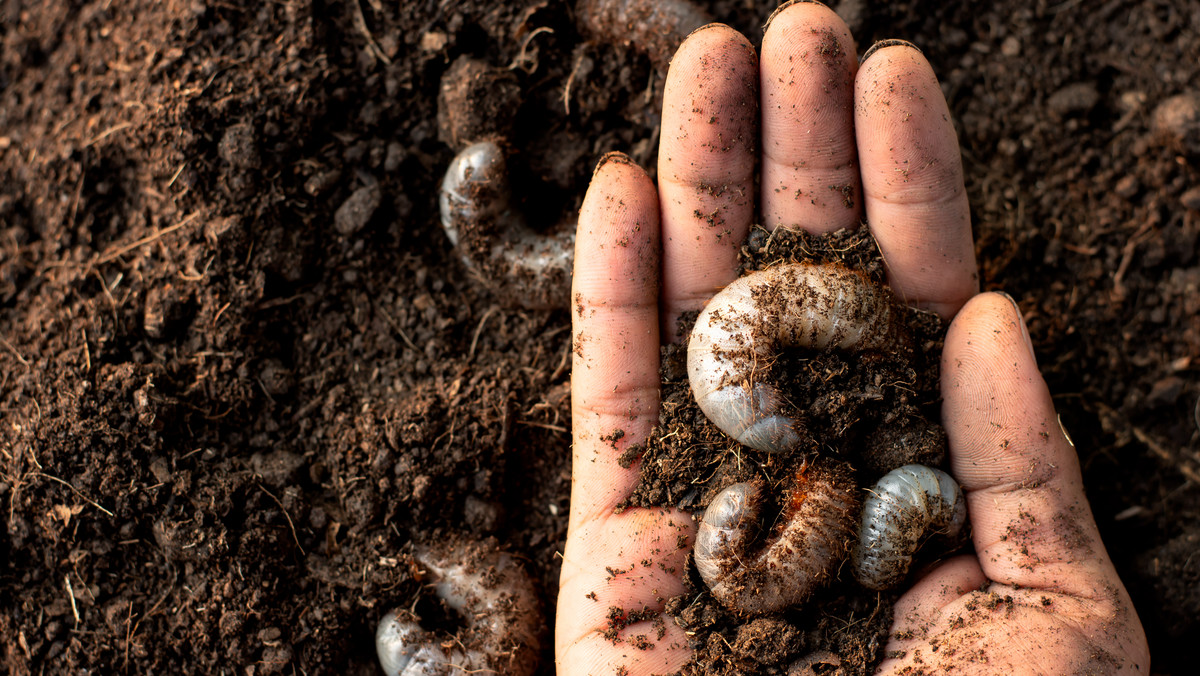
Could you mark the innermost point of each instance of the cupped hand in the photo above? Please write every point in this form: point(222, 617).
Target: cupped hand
point(839, 142)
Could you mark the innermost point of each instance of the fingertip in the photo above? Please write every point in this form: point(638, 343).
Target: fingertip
point(789, 4)
point(620, 184)
point(706, 165)
point(913, 186)
point(713, 46)
point(710, 108)
point(997, 409)
point(810, 176)
point(884, 44)
point(613, 156)
point(618, 230)
point(715, 34)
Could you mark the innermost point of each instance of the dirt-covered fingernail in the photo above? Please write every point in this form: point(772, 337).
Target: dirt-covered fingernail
point(1021, 324)
point(888, 43)
point(613, 156)
point(787, 4)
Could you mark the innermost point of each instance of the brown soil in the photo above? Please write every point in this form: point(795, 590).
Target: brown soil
point(242, 371)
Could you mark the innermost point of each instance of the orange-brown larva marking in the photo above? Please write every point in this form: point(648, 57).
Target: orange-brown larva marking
point(815, 532)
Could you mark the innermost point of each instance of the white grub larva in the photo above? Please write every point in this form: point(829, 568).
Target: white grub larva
point(905, 507)
point(741, 330)
point(525, 267)
point(815, 529)
point(829, 664)
point(656, 27)
point(502, 620)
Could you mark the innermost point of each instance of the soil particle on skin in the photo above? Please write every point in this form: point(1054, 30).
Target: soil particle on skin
point(224, 424)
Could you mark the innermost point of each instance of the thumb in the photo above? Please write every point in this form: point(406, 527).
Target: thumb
point(1032, 525)
point(1035, 537)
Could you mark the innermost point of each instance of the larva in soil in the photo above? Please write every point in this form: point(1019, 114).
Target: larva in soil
point(828, 662)
point(496, 600)
point(525, 267)
point(741, 330)
point(904, 508)
point(816, 526)
point(656, 27)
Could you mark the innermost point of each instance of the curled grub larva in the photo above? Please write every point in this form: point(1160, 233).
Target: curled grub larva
point(526, 267)
point(906, 506)
point(741, 330)
point(814, 532)
point(656, 27)
point(829, 664)
point(501, 617)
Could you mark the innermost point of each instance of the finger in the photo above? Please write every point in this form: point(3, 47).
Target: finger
point(706, 166)
point(912, 177)
point(809, 163)
point(1031, 523)
point(614, 303)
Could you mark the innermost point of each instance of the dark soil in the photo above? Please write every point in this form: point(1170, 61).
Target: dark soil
point(242, 371)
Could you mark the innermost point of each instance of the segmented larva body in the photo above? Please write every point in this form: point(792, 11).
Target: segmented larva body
point(528, 268)
point(906, 506)
point(807, 665)
point(743, 327)
point(816, 528)
point(499, 608)
point(656, 27)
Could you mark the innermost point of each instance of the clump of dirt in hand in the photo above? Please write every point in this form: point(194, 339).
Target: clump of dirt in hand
point(876, 410)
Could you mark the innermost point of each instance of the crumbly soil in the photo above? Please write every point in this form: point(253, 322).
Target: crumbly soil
point(242, 371)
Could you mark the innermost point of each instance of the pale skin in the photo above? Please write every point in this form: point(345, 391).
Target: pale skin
point(836, 142)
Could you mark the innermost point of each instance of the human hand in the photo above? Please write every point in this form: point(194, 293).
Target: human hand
point(1040, 594)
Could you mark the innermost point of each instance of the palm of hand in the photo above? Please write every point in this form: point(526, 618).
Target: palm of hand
point(1040, 595)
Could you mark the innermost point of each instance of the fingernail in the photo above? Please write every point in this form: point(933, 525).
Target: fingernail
point(888, 43)
point(613, 156)
point(1065, 433)
point(787, 4)
point(1021, 323)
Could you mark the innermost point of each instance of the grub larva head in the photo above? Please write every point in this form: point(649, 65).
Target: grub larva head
point(728, 523)
point(397, 640)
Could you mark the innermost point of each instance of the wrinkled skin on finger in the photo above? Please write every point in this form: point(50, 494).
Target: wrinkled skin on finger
point(808, 116)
